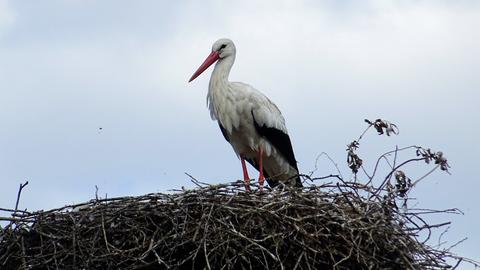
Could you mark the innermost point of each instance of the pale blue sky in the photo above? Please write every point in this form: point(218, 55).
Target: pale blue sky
point(69, 67)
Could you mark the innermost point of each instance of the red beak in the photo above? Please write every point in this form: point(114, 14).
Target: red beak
point(212, 58)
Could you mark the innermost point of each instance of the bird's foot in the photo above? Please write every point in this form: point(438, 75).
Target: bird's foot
point(246, 178)
point(247, 185)
point(261, 181)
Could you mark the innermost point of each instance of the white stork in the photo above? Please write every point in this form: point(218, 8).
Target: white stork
point(249, 121)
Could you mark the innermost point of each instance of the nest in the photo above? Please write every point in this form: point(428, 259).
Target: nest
point(329, 226)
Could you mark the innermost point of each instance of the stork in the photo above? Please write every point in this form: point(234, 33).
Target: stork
point(249, 121)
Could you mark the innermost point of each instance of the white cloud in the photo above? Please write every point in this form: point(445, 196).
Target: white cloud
point(391, 43)
point(7, 16)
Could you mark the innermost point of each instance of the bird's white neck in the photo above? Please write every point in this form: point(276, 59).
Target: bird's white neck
point(220, 73)
point(218, 89)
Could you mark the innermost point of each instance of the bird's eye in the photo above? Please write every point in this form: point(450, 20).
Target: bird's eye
point(223, 46)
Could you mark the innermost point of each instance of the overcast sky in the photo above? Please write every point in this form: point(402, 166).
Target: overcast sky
point(96, 93)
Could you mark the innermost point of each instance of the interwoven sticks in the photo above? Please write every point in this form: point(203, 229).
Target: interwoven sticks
point(329, 226)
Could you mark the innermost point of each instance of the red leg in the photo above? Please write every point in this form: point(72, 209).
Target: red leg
point(246, 178)
point(261, 178)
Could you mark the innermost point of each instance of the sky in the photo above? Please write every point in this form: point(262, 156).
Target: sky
point(95, 93)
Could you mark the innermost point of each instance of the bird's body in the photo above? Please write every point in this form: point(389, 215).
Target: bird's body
point(249, 121)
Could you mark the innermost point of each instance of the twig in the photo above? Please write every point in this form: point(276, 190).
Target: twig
point(18, 195)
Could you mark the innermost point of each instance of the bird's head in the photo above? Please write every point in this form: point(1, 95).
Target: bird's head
point(224, 47)
point(221, 49)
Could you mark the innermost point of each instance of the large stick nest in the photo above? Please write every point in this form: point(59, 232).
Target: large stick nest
point(329, 226)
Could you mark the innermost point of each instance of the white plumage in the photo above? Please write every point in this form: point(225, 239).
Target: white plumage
point(252, 123)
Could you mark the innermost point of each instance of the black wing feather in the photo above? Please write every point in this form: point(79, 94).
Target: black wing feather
point(281, 141)
point(224, 132)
